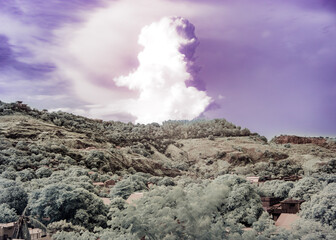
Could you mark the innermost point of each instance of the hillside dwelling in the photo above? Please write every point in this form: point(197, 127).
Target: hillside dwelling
point(133, 197)
point(106, 201)
point(109, 183)
point(290, 206)
point(38, 234)
point(286, 220)
point(150, 185)
point(22, 106)
point(268, 202)
point(6, 230)
point(253, 179)
point(292, 178)
point(99, 184)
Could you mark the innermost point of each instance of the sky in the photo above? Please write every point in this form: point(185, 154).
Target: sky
point(268, 65)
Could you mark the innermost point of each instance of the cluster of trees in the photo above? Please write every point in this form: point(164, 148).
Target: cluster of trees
point(218, 209)
point(127, 133)
point(271, 168)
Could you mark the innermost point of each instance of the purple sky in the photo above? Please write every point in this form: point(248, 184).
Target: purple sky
point(268, 65)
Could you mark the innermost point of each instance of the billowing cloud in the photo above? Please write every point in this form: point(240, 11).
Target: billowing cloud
point(161, 77)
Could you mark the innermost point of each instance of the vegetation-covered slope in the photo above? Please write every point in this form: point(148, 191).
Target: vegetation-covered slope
point(192, 173)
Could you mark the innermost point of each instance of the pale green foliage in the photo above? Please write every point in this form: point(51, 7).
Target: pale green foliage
point(13, 194)
point(198, 211)
point(63, 201)
point(311, 230)
point(276, 188)
point(264, 225)
point(75, 176)
point(64, 226)
point(321, 206)
point(43, 172)
point(305, 188)
point(7, 214)
point(130, 184)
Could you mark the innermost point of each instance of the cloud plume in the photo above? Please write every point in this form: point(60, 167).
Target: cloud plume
point(162, 74)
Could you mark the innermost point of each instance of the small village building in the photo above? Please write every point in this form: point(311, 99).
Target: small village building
point(6, 230)
point(99, 184)
point(286, 220)
point(267, 202)
point(106, 201)
point(253, 179)
point(133, 197)
point(109, 183)
point(290, 206)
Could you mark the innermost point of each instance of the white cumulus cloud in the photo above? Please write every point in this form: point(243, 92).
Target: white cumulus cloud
point(160, 79)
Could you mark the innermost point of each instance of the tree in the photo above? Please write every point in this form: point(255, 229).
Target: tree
point(322, 207)
point(7, 214)
point(211, 210)
point(63, 201)
point(276, 188)
point(305, 188)
point(13, 194)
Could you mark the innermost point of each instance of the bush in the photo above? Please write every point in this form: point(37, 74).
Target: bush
point(305, 188)
point(322, 207)
point(7, 214)
point(276, 188)
point(65, 202)
point(197, 211)
point(43, 172)
point(13, 194)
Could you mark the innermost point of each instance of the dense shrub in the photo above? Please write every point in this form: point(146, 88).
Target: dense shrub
point(276, 188)
point(13, 194)
point(7, 214)
point(321, 206)
point(64, 201)
point(198, 211)
point(305, 188)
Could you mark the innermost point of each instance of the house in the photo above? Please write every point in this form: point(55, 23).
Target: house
point(252, 179)
point(133, 197)
point(6, 230)
point(38, 234)
point(109, 183)
point(99, 184)
point(268, 202)
point(22, 106)
point(106, 201)
point(290, 206)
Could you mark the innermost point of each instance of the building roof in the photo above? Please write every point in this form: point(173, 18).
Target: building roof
point(253, 179)
point(292, 201)
point(98, 184)
point(106, 201)
point(286, 220)
point(133, 197)
point(6, 225)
